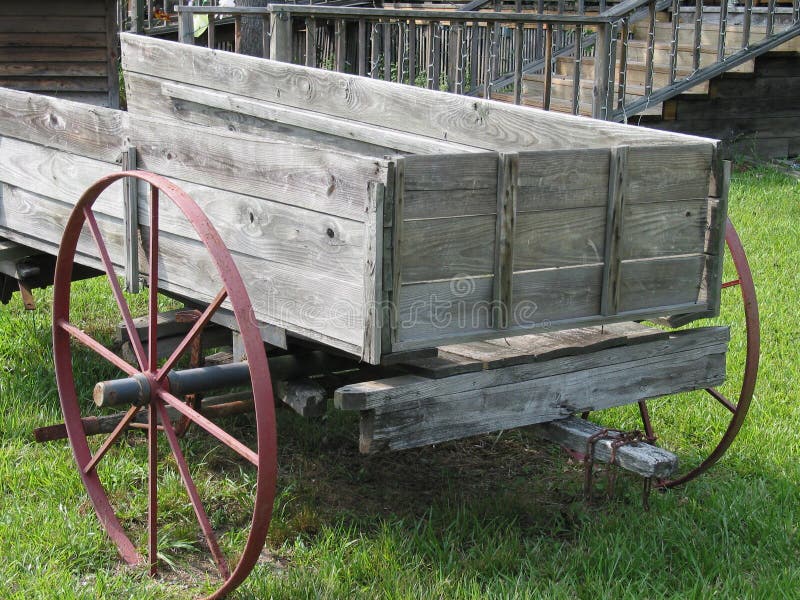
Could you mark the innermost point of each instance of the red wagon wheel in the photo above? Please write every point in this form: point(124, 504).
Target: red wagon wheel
point(738, 406)
point(230, 568)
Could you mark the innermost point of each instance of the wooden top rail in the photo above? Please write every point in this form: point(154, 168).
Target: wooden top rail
point(432, 15)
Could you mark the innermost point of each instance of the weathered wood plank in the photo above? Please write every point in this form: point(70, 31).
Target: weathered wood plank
point(395, 391)
point(451, 117)
point(255, 227)
point(50, 55)
point(436, 419)
point(649, 283)
point(56, 84)
point(52, 23)
point(325, 181)
point(653, 178)
point(94, 132)
point(53, 8)
point(332, 310)
point(559, 238)
point(181, 101)
point(553, 180)
point(57, 40)
point(447, 248)
point(53, 69)
point(643, 459)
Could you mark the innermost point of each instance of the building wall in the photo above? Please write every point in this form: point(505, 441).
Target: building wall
point(755, 114)
point(64, 48)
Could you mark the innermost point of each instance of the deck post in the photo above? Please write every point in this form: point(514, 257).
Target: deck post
point(281, 37)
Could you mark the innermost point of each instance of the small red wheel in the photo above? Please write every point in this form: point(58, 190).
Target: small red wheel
point(739, 406)
point(230, 567)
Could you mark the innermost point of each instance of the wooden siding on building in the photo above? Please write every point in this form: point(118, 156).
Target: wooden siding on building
point(63, 48)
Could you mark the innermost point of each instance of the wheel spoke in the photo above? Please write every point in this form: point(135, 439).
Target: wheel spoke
point(136, 343)
point(722, 400)
point(194, 497)
point(152, 487)
point(728, 284)
point(219, 433)
point(193, 333)
point(152, 332)
point(91, 343)
point(111, 439)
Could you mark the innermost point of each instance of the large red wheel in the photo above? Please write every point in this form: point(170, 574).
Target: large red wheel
point(226, 567)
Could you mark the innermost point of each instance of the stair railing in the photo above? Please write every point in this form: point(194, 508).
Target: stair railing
point(512, 55)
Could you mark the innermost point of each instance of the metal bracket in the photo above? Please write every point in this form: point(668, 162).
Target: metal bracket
point(131, 222)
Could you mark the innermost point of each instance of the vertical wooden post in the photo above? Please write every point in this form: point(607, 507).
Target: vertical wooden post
point(455, 65)
point(622, 89)
point(387, 51)
point(311, 42)
point(412, 51)
point(137, 16)
point(718, 218)
point(266, 32)
point(602, 64)
point(341, 45)
point(362, 47)
point(237, 33)
point(374, 50)
point(507, 184)
point(518, 64)
point(400, 52)
point(723, 26)
point(186, 27)
point(211, 32)
point(281, 37)
point(673, 45)
point(130, 190)
point(475, 32)
point(612, 262)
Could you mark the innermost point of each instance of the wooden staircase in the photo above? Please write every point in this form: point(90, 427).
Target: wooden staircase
point(564, 67)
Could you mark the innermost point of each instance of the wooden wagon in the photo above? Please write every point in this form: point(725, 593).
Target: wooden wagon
point(456, 266)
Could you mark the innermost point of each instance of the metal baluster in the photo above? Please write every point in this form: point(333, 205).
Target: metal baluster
point(723, 29)
point(623, 66)
point(673, 45)
point(651, 44)
point(518, 64)
point(748, 17)
point(362, 47)
point(548, 66)
point(698, 33)
point(576, 70)
point(770, 17)
point(412, 52)
point(311, 42)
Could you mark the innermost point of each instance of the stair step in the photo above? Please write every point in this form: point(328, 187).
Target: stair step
point(734, 35)
point(637, 52)
point(562, 85)
point(556, 104)
point(636, 73)
point(561, 90)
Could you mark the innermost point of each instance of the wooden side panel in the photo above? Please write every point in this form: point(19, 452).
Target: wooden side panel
point(561, 264)
point(438, 115)
point(56, 48)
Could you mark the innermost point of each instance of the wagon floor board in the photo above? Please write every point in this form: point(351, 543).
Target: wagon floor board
point(636, 344)
point(433, 411)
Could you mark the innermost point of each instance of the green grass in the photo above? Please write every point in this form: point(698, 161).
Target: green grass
point(489, 517)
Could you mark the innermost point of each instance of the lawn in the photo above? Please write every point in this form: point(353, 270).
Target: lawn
point(498, 516)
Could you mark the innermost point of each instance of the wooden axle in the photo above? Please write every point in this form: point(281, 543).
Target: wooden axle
point(137, 389)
